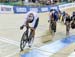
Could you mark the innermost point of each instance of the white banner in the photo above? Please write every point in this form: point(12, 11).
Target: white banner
point(6, 9)
point(65, 6)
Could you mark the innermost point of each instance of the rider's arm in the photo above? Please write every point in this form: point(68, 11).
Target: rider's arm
point(24, 24)
point(21, 27)
point(35, 23)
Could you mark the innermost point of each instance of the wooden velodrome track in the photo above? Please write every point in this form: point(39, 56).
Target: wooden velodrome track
point(10, 34)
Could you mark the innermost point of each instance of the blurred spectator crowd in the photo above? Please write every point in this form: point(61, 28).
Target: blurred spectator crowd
point(49, 2)
point(46, 2)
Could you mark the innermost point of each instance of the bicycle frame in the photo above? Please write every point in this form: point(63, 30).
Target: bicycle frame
point(28, 38)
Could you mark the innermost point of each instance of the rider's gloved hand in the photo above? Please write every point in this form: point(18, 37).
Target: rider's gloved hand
point(21, 27)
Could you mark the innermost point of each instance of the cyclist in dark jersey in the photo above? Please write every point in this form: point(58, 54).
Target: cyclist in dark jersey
point(53, 18)
point(67, 23)
point(73, 21)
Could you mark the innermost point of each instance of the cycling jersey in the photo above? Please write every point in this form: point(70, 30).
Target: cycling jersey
point(34, 19)
point(54, 14)
point(68, 19)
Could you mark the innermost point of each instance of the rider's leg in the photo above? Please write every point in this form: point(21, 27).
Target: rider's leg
point(54, 28)
point(32, 34)
point(67, 29)
point(31, 37)
point(67, 32)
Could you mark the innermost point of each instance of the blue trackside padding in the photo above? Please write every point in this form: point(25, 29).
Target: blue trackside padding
point(51, 48)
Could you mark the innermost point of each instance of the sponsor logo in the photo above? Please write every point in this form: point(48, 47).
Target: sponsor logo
point(54, 7)
point(44, 9)
point(21, 9)
point(34, 9)
point(5, 9)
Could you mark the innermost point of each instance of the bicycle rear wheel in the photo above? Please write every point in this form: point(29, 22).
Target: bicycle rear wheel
point(23, 41)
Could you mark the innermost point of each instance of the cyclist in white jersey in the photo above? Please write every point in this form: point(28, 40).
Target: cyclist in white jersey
point(31, 21)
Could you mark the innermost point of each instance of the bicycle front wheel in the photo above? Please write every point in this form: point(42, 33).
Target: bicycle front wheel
point(23, 41)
